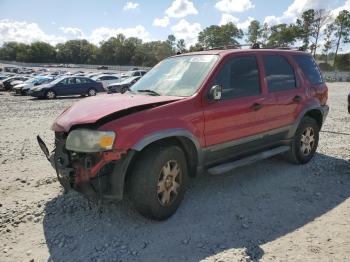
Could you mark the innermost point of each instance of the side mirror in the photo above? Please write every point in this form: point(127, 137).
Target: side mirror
point(215, 93)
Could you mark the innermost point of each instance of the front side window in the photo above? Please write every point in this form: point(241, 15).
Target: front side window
point(279, 73)
point(309, 68)
point(239, 77)
point(177, 76)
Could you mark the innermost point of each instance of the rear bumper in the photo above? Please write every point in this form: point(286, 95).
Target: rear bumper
point(325, 110)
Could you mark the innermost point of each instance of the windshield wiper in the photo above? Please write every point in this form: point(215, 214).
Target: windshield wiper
point(148, 91)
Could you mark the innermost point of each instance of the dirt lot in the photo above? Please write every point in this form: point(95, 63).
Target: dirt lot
point(269, 211)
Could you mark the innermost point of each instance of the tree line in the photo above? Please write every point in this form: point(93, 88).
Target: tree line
point(316, 30)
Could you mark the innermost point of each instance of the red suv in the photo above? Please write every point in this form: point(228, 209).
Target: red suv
point(212, 110)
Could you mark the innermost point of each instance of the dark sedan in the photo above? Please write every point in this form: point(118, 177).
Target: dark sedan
point(66, 86)
point(123, 86)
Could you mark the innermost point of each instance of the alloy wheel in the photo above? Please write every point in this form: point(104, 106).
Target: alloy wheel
point(307, 141)
point(169, 181)
point(92, 92)
point(51, 95)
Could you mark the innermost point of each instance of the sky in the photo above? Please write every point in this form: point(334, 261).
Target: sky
point(56, 21)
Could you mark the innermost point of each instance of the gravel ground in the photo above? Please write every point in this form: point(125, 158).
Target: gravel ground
point(269, 211)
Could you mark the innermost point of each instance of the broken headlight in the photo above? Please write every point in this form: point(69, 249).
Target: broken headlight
point(89, 141)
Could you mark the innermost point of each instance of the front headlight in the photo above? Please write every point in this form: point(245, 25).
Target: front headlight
point(89, 141)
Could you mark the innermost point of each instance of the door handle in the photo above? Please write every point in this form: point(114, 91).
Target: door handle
point(297, 98)
point(256, 106)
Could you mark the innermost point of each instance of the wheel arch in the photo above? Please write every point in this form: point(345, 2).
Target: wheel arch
point(181, 137)
point(318, 113)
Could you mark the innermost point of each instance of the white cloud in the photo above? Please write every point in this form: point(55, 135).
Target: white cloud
point(346, 6)
point(181, 8)
point(161, 22)
point(230, 6)
point(227, 18)
point(24, 32)
point(74, 31)
point(11, 30)
point(187, 31)
point(130, 5)
point(245, 24)
point(296, 9)
point(104, 33)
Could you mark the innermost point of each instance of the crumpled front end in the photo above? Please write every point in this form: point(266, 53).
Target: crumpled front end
point(97, 175)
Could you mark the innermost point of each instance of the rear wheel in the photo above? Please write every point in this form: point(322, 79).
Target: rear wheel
point(92, 92)
point(50, 94)
point(158, 181)
point(123, 90)
point(305, 141)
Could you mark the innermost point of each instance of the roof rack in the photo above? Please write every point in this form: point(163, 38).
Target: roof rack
point(256, 46)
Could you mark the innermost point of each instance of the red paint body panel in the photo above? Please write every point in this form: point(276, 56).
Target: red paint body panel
point(91, 109)
point(210, 122)
point(186, 114)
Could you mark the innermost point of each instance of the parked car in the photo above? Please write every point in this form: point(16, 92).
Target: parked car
point(102, 67)
point(6, 83)
point(106, 80)
point(24, 87)
point(213, 110)
point(134, 73)
point(66, 86)
point(123, 86)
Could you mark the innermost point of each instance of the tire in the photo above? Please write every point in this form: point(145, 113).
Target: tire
point(123, 90)
point(153, 192)
point(305, 141)
point(50, 94)
point(91, 92)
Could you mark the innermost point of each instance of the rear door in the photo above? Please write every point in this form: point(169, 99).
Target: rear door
point(284, 84)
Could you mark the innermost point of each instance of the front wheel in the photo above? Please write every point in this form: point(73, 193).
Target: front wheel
point(50, 94)
point(92, 92)
point(158, 181)
point(305, 141)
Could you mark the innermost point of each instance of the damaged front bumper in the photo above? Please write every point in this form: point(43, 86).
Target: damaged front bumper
point(96, 175)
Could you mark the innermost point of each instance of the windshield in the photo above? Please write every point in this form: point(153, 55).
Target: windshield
point(177, 76)
point(57, 80)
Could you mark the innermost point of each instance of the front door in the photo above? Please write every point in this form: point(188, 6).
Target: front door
point(243, 109)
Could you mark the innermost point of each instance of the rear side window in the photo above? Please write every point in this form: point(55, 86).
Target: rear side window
point(279, 73)
point(239, 77)
point(310, 69)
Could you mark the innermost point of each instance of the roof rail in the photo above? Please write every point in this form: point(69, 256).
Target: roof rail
point(255, 46)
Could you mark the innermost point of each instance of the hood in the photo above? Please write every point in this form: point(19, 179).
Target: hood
point(90, 110)
point(39, 87)
point(19, 86)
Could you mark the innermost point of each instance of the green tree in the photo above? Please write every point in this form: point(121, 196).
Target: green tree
point(265, 34)
point(342, 30)
point(181, 46)
point(171, 41)
point(215, 36)
point(196, 47)
point(41, 52)
point(343, 62)
point(321, 18)
point(254, 32)
point(305, 27)
point(283, 35)
point(77, 52)
point(328, 40)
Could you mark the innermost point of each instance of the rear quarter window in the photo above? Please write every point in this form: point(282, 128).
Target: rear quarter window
point(309, 68)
